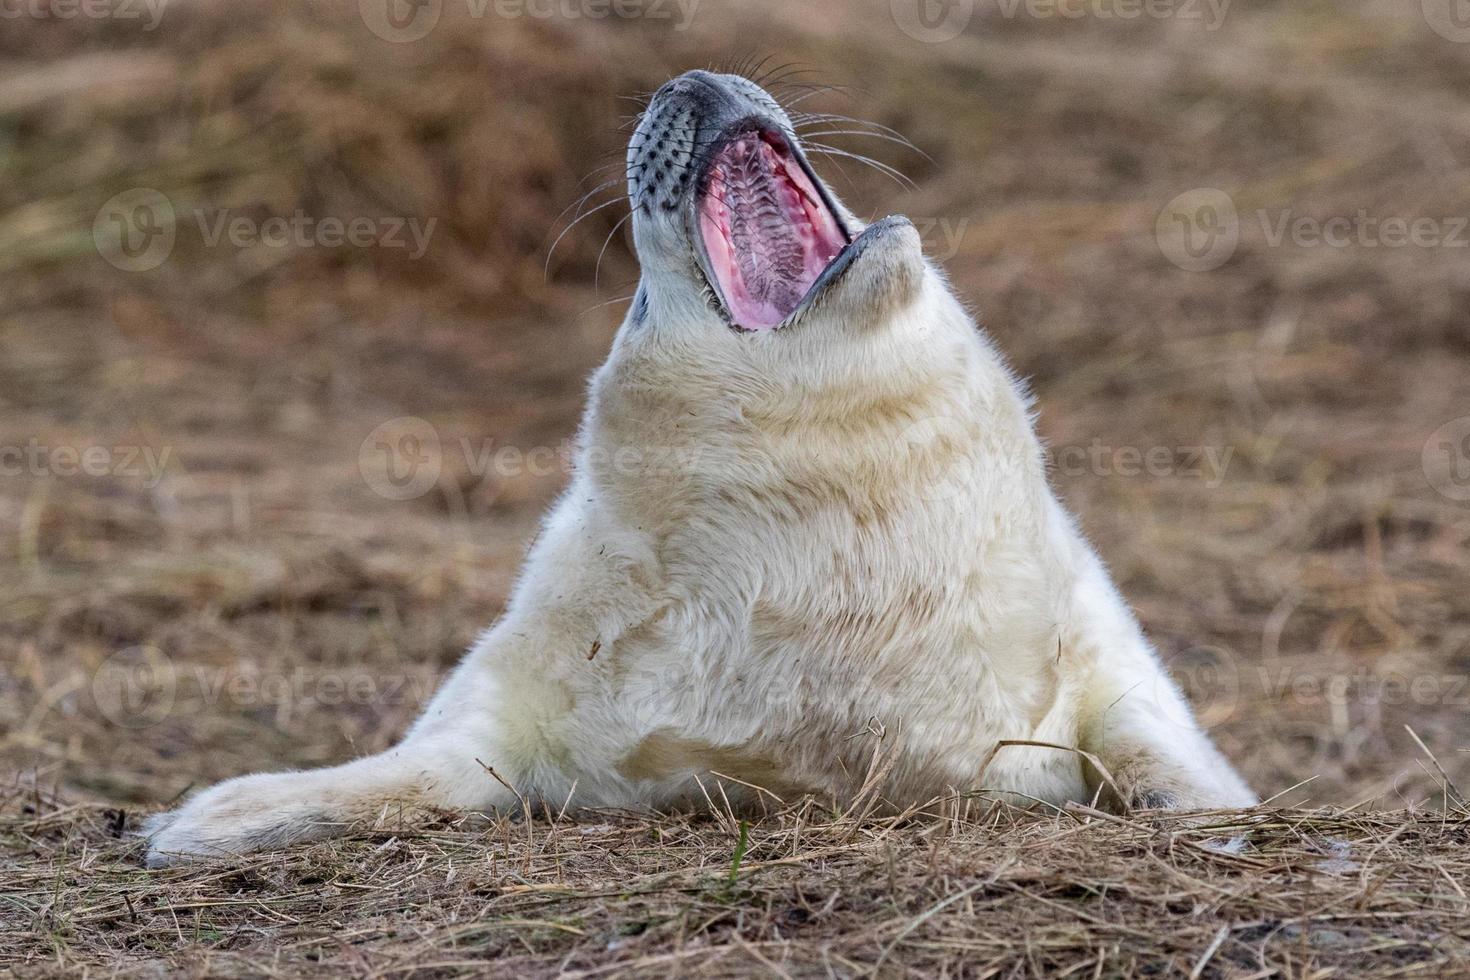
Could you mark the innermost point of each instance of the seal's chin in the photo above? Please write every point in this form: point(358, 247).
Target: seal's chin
point(767, 229)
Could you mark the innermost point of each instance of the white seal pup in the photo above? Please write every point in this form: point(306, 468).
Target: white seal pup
point(807, 504)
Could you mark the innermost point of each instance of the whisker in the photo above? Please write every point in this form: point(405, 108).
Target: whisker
point(877, 136)
point(546, 271)
point(597, 170)
point(839, 117)
point(815, 91)
point(876, 129)
point(581, 200)
point(883, 168)
point(820, 87)
point(597, 269)
point(788, 81)
point(774, 76)
point(748, 66)
point(843, 171)
point(610, 302)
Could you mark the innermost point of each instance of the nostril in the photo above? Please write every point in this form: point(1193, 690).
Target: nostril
point(688, 83)
point(673, 87)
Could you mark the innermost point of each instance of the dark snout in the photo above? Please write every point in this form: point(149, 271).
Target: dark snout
point(681, 129)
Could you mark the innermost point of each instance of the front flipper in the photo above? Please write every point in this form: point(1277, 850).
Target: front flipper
point(266, 811)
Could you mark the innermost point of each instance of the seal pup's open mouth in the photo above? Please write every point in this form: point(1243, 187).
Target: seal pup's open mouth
point(767, 227)
point(730, 219)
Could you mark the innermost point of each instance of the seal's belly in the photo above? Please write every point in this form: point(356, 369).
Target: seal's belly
point(900, 697)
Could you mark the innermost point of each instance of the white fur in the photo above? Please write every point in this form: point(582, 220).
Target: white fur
point(774, 543)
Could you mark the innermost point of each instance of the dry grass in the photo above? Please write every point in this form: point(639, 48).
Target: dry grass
point(270, 578)
point(801, 892)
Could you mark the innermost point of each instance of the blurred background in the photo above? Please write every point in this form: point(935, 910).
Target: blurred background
point(288, 364)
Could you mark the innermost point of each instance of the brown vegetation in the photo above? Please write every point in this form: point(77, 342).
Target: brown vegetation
point(1292, 547)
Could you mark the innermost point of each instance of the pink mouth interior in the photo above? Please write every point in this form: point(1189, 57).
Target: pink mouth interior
point(766, 229)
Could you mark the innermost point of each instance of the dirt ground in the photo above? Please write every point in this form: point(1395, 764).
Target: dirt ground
point(288, 367)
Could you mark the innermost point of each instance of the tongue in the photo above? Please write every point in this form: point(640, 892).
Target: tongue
point(766, 230)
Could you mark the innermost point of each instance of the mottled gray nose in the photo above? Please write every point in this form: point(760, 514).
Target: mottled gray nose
point(684, 120)
point(662, 149)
